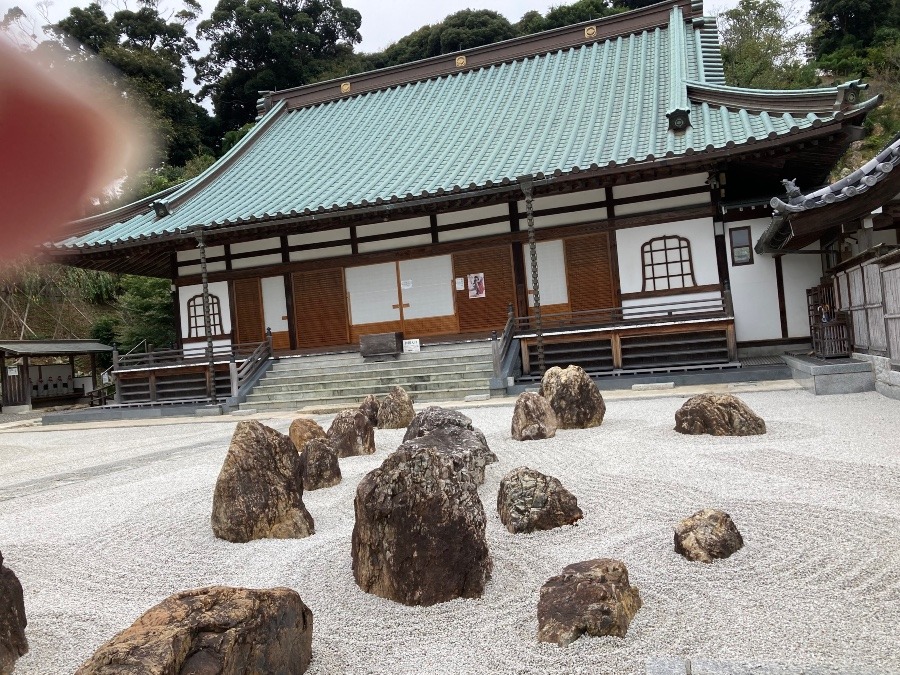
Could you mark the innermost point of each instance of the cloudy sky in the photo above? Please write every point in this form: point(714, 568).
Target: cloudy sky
point(384, 21)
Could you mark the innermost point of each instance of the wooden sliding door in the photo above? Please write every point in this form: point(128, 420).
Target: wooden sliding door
point(249, 320)
point(320, 308)
point(589, 272)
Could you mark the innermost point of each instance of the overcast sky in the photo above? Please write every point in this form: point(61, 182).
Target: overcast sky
point(384, 21)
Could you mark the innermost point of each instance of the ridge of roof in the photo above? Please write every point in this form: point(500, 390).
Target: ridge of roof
point(838, 98)
point(515, 49)
point(679, 108)
point(87, 224)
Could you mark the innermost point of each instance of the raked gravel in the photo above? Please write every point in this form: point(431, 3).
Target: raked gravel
point(101, 524)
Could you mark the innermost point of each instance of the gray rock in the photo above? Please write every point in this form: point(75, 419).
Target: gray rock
point(592, 597)
point(435, 417)
point(259, 492)
point(351, 434)
point(574, 397)
point(369, 408)
point(529, 500)
point(13, 643)
point(533, 418)
point(707, 535)
point(718, 415)
point(216, 630)
point(466, 449)
point(319, 465)
point(395, 410)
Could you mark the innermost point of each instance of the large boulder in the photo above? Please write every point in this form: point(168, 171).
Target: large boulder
point(303, 430)
point(434, 417)
point(529, 500)
point(369, 408)
point(419, 536)
point(707, 535)
point(592, 597)
point(574, 397)
point(259, 493)
point(718, 415)
point(395, 410)
point(13, 643)
point(319, 465)
point(216, 631)
point(466, 449)
point(351, 434)
point(533, 418)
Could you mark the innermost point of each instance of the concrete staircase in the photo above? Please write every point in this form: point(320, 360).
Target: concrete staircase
point(441, 372)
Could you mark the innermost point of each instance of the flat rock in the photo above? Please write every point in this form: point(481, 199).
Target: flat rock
point(13, 643)
point(303, 430)
point(718, 415)
point(319, 465)
point(351, 434)
point(369, 408)
point(466, 449)
point(592, 597)
point(529, 500)
point(533, 418)
point(395, 410)
point(707, 535)
point(435, 417)
point(574, 397)
point(212, 631)
point(419, 535)
point(259, 492)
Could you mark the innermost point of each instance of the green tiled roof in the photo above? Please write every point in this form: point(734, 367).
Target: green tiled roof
point(588, 107)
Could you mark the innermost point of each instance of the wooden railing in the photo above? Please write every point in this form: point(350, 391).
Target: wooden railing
point(180, 357)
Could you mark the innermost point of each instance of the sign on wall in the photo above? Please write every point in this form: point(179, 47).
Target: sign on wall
point(476, 285)
point(12, 371)
point(411, 347)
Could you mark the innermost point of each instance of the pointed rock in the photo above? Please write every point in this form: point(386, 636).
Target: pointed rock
point(395, 410)
point(259, 492)
point(303, 430)
point(574, 397)
point(707, 535)
point(221, 630)
point(718, 415)
point(533, 418)
point(466, 449)
point(13, 643)
point(529, 500)
point(319, 465)
point(351, 434)
point(369, 408)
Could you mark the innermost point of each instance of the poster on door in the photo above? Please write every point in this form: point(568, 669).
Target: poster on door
point(476, 285)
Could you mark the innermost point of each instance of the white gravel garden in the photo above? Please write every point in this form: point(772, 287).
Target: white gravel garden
point(100, 524)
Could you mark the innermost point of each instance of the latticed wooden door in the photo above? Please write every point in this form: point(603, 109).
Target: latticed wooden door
point(320, 308)
point(589, 272)
point(249, 320)
point(488, 312)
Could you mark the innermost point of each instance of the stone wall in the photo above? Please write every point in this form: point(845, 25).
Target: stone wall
point(887, 380)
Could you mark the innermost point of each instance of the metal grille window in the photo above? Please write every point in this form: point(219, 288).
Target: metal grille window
point(667, 264)
point(196, 323)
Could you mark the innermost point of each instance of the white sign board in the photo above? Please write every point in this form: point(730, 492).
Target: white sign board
point(411, 347)
point(405, 284)
point(460, 283)
point(12, 371)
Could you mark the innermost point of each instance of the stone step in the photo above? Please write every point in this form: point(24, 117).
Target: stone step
point(354, 401)
point(351, 389)
point(303, 366)
point(317, 383)
point(396, 374)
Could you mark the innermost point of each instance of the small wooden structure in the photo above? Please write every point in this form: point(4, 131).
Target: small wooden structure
point(23, 383)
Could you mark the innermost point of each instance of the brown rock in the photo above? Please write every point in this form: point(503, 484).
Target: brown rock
point(212, 631)
point(528, 501)
point(395, 410)
point(592, 597)
point(419, 532)
point(435, 417)
point(259, 493)
point(319, 465)
point(369, 408)
point(574, 397)
point(13, 642)
point(707, 535)
point(466, 449)
point(303, 430)
point(351, 434)
point(718, 415)
point(533, 418)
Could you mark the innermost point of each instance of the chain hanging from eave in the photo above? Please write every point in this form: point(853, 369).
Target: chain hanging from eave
point(204, 276)
point(535, 281)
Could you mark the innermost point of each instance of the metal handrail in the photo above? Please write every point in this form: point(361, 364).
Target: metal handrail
point(501, 347)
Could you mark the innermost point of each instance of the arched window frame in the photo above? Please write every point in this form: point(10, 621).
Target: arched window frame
point(195, 317)
point(667, 264)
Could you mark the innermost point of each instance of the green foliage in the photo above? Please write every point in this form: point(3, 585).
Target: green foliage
point(762, 48)
point(231, 138)
point(146, 313)
point(103, 330)
point(152, 181)
point(848, 24)
point(583, 10)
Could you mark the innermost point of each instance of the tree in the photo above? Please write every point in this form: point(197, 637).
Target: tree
point(762, 47)
point(146, 313)
point(258, 45)
point(848, 24)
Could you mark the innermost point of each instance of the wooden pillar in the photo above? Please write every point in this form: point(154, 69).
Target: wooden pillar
point(25, 379)
point(616, 345)
point(93, 372)
point(4, 400)
point(782, 307)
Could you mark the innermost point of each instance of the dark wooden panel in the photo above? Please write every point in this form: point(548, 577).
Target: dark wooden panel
point(589, 272)
point(320, 308)
point(378, 327)
point(432, 325)
point(281, 340)
point(489, 312)
point(248, 308)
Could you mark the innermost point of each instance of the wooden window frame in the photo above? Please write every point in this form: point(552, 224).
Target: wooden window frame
point(731, 245)
point(674, 244)
point(195, 317)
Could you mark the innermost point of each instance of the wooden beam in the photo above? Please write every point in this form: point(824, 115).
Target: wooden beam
point(782, 308)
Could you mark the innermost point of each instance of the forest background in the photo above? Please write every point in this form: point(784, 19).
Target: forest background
point(150, 51)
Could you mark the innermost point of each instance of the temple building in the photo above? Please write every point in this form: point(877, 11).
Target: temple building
point(404, 200)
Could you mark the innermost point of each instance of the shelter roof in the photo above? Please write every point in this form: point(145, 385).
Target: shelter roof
point(642, 88)
point(802, 218)
point(52, 347)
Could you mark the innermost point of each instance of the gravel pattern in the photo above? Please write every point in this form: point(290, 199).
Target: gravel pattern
point(101, 524)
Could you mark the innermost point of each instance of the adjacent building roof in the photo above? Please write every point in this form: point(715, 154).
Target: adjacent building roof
point(639, 88)
point(52, 347)
point(801, 218)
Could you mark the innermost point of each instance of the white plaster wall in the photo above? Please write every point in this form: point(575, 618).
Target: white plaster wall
point(194, 253)
point(189, 270)
point(217, 288)
point(274, 304)
point(394, 227)
point(373, 292)
point(340, 234)
point(256, 245)
point(474, 232)
point(427, 286)
point(551, 272)
point(468, 215)
point(256, 261)
point(801, 271)
point(199, 349)
point(319, 253)
point(699, 232)
point(754, 291)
